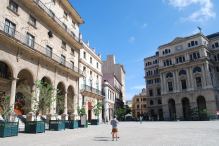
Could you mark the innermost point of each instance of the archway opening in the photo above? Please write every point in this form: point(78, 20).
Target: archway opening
point(202, 110)
point(186, 109)
point(172, 109)
point(60, 98)
point(70, 100)
point(23, 95)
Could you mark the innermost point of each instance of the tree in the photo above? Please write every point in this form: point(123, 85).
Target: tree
point(120, 113)
point(97, 109)
point(81, 111)
point(5, 108)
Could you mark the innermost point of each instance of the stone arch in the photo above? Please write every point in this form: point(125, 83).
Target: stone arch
point(202, 108)
point(186, 108)
point(70, 99)
point(46, 79)
point(169, 75)
point(182, 72)
point(60, 98)
point(197, 69)
point(172, 109)
point(24, 86)
point(6, 74)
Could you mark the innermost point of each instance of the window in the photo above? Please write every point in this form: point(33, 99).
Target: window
point(144, 99)
point(65, 14)
point(138, 106)
point(13, 6)
point(169, 75)
point(217, 69)
point(182, 72)
point(167, 62)
point(72, 52)
point(180, 59)
point(151, 92)
point(159, 101)
point(63, 59)
point(151, 102)
point(91, 60)
point(198, 82)
point(63, 44)
point(183, 84)
point(157, 80)
point(197, 69)
point(194, 56)
point(170, 86)
point(84, 55)
point(97, 65)
point(49, 51)
point(32, 21)
point(72, 64)
point(137, 100)
point(9, 27)
point(90, 73)
point(193, 43)
point(30, 40)
point(144, 106)
point(158, 91)
point(65, 26)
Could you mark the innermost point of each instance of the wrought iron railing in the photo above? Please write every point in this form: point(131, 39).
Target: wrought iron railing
point(36, 47)
point(57, 20)
point(91, 89)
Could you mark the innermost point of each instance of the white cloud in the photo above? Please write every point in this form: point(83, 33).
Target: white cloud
point(138, 87)
point(131, 39)
point(203, 14)
point(144, 25)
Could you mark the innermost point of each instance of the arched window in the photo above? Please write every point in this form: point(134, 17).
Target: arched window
point(197, 69)
point(169, 75)
point(182, 72)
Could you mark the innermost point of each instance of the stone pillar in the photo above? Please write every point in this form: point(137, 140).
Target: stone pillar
point(13, 92)
point(164, 84)
point(53, 104)
point(66, 103)
point(204, 83)
point(188, 80)
point(191, 79)
point(177, 81)
point(179, 111)
point(174, 82)
point(208, 75)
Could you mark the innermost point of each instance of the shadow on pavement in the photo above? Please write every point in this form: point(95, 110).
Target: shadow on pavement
point(102, 139)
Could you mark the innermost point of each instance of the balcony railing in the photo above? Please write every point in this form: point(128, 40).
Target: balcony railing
point(36, 47)
point(57, 20)
point(91, 89)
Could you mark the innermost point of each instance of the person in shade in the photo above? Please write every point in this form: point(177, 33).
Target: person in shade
point(114, 122)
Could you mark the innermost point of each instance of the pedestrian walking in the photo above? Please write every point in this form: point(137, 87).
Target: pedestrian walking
point(114, 122)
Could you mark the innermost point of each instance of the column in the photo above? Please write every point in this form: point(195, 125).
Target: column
point(66, 103)
point(13, 92)
point(164, 84)
point(188, 79)
point(191, 79)
point(208, 75)
point(204, 83)
point(177, 81)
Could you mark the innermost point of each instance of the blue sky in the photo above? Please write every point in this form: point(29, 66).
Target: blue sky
point(133, 29)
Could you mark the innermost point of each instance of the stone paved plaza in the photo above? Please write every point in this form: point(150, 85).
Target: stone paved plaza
point(131, 134)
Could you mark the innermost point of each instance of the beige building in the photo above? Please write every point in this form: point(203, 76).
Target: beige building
point(114, 74)
point(91, 82)
point(189, 77)
point(139, 105)
point(41, 40)
point(152, 79)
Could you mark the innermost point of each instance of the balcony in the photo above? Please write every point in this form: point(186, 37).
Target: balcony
point(20, 39)
point(91, 92)
point(50, 19)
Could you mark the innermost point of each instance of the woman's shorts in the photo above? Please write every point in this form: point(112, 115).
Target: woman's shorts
point(114, 130)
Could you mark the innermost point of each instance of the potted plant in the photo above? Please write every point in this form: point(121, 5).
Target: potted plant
point(7, 126)
point(41, 106)
point(97, 109)
point(58, 125)
point(83, 117)
point(72, 122)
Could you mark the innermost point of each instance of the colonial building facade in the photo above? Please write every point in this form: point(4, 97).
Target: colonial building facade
point(91, 82)
point(41, 40)
point(139, 105)
point(188, 73)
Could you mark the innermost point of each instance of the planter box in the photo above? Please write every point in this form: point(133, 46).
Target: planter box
point(83, 126)
point(56, 125)
point(95, 122)
point(71, 124)
point(35, 127)
point(8, 129)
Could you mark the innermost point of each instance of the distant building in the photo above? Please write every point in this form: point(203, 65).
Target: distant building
point(114, 74)
point(139, 105)
point(189, 77)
